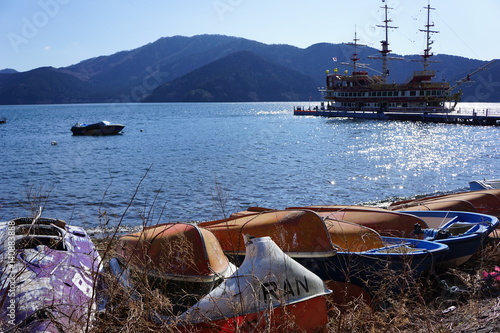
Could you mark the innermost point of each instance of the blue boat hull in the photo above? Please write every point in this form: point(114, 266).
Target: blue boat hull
point(368, 269)
point(465, 232)
point(461, 249)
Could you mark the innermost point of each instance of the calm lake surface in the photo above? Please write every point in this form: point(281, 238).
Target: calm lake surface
point(192, 162)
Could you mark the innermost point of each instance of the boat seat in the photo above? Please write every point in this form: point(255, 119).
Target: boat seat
point(32, 241)
point(459, 228)
point(38, 229)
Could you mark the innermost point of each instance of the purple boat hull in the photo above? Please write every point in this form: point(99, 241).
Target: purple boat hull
point(47, 276)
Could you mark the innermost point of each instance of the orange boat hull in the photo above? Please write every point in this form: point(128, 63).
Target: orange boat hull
point(485, 202)
point(385, 222)
point(308, 316)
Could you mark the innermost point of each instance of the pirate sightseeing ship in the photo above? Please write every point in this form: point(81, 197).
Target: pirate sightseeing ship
point(360, 91)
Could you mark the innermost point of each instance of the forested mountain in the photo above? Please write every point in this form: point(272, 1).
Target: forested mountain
point(239, 77)
point(131, 76)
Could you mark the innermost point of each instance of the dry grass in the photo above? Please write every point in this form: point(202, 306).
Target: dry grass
point(463, 303)
point(455, 300)
point(466, 304)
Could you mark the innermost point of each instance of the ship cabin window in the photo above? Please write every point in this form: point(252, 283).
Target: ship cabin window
point(395, 93)
point(428, 93)
point(421, 93)
point(384, 93)
point(413, 93)
point(379, 93)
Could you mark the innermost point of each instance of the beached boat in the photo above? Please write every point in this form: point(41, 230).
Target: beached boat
point(462, 232)
point(385, 222)
point(270, 292)
point(485, 202)
point(48, 276)
point(97, 129)
point(183, 261)
point(478, 185)
point(334, 250)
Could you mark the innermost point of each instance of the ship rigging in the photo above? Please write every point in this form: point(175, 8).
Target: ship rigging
point(360, 91)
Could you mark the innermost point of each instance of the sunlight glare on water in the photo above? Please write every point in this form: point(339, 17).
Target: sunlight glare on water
point(175, 161)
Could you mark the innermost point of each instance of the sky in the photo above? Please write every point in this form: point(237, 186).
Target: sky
point(59, 33)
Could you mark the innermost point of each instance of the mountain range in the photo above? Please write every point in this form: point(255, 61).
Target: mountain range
point(217, 68)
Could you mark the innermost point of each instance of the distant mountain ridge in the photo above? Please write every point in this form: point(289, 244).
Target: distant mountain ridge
point(133, 76)
point(239, 77)
point(7, 71)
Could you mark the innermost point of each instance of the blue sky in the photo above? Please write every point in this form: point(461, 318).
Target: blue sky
point(58, 33)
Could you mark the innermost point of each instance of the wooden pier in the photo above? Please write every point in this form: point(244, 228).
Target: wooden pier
point(483, 119)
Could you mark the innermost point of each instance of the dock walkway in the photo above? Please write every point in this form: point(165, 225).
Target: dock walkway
point(474, 118)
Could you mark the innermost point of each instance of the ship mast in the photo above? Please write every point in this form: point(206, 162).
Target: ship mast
point(385, 44)
point(355, 57)
point(427, 52)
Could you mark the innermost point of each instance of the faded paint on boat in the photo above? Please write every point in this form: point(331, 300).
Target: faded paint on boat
point(385, 222)
point(177, 250)
point(352, 237)
point(269, 292)
point(176, 257)
point(54, 267)
point(361, 254)
point(464, 235)
point(485, 202)
point(298, 233)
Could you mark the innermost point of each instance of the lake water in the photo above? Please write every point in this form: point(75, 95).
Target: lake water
point(192, 162)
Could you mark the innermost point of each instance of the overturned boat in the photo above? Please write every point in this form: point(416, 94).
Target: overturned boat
point(183, 261)
point(484, 201)
point(385, 222)
point(334, 250)
point(462, 232)
point(48, 276)
point(270, 292)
